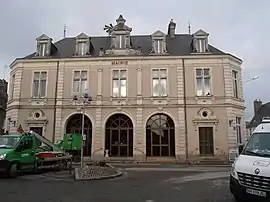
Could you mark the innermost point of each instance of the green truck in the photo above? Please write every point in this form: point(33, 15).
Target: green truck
point(23, 152)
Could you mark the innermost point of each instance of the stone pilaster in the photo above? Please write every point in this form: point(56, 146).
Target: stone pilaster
point(180, 140)
point(99, 90)
point(98, 137)
point(139, 148)
point(180, 85)
point(58, 125)
point(59, 102)
point(228, 81)
point(232, 135)
point(139, 81)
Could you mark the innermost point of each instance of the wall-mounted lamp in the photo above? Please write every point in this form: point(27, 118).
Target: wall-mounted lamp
point(230, 123)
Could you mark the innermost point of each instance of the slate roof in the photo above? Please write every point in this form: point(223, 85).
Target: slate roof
point(264, 111)
point(180, 45)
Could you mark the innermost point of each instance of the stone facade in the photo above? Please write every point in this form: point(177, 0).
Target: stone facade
point(182, 104)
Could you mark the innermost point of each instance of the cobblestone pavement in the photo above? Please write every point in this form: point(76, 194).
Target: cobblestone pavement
point(134, 186)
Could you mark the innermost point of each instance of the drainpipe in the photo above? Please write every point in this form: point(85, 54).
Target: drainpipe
point(55, 101)
point(185, 106)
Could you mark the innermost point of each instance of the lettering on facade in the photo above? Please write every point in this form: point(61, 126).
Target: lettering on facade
point(119, 62)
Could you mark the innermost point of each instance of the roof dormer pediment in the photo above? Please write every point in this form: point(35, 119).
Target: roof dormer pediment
point(82, 36)
point(43, 37)
point(158, 33)
point(200, 32)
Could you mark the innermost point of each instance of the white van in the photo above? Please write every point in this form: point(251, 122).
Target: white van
point(250, 174)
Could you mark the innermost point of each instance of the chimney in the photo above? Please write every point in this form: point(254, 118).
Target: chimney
point(257, 106)
point(171, 29)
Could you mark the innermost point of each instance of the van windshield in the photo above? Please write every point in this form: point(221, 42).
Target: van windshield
point(258, 145)
point(8, 142)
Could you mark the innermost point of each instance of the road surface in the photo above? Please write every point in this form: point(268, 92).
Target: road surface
point(138, 184)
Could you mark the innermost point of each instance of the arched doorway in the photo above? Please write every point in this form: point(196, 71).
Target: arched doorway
point(160, 136)
point(119, 136)
point(74, 125)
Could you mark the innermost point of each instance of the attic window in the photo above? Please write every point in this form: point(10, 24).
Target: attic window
point(200, 42)
point(120, 41)
point(44, 46)
point(82, 45)
point(158, 42)
point(42, 49)
point(82, 48)
point(158, 46)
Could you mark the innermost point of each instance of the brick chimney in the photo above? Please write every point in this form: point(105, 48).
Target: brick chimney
point(257, 105)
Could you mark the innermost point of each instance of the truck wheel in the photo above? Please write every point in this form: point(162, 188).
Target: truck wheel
point(13, 170)
point(62, 165)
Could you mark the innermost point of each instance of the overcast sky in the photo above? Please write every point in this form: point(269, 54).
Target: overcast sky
point(240, 27)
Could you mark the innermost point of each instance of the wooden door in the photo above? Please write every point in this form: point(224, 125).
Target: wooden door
point(206, 141)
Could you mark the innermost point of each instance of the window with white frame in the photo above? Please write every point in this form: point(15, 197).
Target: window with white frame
point(203, 82)
point(82, 48)
point(12, 83)
point(80, 82)
point(39, 84)
point(201, 45)
point(238, 130)
point(159, 82)
point(42, 49)
point(235, 84)
point(119, 83)
point(120, 41)
point(158, 46)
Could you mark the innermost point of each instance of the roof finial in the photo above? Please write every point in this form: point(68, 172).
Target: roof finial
point(65, 30)
point(189, 28)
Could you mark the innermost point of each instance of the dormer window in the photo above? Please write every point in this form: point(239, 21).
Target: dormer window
point(42, 49)
point(120, 34)
point(158, 46)
point(44, 45)
point(158, 43)
point(120, 41)
point(200, 42)
point(82, 48)
point(82, 45)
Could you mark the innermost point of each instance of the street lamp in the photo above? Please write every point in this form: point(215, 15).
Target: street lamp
point(84, 98)
point(251, 79)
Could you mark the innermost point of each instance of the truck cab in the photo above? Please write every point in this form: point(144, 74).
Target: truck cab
point(29, 152)
point(17, 151)
point(250, 173)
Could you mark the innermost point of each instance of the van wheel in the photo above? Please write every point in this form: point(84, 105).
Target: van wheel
point(13, 170)
point(237, 199)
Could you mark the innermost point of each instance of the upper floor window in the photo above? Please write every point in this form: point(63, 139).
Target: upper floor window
point(12, 84)
point(39, 84)
point(235, 84)
point(120, 41)
point(238, 130)
point(203, 82)
point(200, 41)
point(119, 82)
point(80, 82)
point(158, 42)
point(159, 82)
